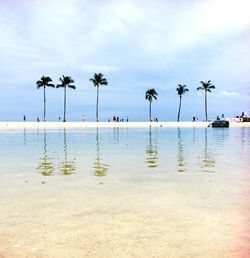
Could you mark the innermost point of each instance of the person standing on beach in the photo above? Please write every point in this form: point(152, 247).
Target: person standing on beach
point(24, 118)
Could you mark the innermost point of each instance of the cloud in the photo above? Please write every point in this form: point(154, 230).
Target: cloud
point(98, 68)
point(140, 44)
point(229, 93)
point(233, 94)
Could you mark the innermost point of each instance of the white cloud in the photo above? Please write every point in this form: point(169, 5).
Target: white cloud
point(233, 94)
point(139, 43)
point(229, 93)
point(98, 68)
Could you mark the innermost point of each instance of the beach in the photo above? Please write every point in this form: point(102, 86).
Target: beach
point(78, 125)
point(124, 129)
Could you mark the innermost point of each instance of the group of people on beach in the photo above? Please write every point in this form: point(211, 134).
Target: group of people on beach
point(115, 119)
point(155, 119)
point(118, 119)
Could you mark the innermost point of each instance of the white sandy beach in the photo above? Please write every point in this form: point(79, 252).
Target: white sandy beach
point(76, 125)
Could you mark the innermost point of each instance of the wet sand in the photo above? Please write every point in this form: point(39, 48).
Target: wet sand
point(76, 218)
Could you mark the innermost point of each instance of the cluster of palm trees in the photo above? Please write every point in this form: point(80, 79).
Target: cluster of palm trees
point(151, 94)
point(98, 80)
point(68, 82)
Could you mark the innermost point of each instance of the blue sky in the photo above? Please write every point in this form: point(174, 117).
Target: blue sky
point(137, 45)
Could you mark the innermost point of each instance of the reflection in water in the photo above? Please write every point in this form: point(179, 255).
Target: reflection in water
point(67, 167)
point(46, 166)
point(151, 150)
point(180, 156)
point(207, 159)
point(24, 136)
point(116, 134)
point(100, 169)
point(194, 134)
point(245, 138)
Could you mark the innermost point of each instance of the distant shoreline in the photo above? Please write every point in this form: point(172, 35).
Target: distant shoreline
point(79, 125)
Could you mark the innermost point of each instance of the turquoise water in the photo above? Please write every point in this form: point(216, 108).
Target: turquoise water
point(116, 152)
point(117, 192)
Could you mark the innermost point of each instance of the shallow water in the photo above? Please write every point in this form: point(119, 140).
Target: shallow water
point(155, 192)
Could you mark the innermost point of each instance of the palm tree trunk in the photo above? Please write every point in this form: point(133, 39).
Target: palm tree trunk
point(150, 111)
point(64, 115)
point(97, 102)
point(206, 105)
point(179, 111)
point(44, 104)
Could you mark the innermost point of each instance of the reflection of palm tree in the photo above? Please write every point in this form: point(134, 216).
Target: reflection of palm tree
point(100, 169)
point(67, 167)
point(45, 166)
point(151, 151)
point(180, 155)
point(207, 160)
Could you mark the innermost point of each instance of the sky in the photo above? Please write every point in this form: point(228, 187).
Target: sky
point(137, 45)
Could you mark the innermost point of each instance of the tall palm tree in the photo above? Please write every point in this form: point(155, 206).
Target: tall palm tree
point(98, 80)
point(181, 90)
point(65, 82)
point(43, 83)
point(207, 87)
point(150, 95)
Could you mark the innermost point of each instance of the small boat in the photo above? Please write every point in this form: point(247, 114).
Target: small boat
point(220, 123)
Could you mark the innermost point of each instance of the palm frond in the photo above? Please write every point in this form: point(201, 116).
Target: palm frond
point(39, 84)
point(72, 87)
point(181, 89)
point(98, 79)
point(44, 82)
point(151, 94)
point(104, 82)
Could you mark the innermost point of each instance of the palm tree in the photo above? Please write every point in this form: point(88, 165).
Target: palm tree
point(65, 82)
point(181, 90)
point(150, 95)
point(98, 80)
point(207, 87)
point(44, 82)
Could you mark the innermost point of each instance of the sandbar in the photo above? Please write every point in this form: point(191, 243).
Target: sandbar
point(79, 125)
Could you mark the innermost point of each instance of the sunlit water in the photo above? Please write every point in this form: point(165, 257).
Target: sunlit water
point(152, 192)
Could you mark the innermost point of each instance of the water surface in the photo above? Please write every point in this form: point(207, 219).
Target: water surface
point(117, 192)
